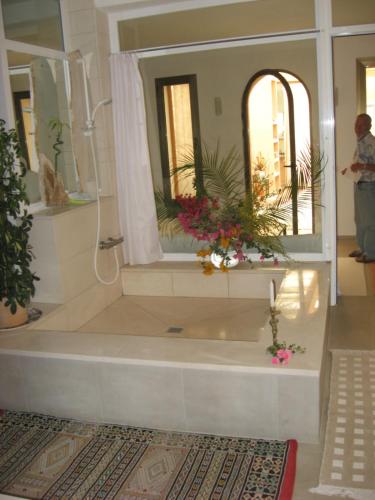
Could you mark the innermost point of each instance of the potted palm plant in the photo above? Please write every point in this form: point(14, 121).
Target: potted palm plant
point(16, 278)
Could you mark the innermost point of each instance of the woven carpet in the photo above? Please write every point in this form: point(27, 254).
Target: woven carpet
point(348, 467)
point(48, 457)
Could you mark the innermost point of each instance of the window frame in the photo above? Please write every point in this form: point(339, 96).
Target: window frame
point(160, 83)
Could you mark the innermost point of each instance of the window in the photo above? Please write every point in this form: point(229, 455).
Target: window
point(179, 136)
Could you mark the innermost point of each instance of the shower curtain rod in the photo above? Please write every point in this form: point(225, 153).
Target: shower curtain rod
point(212, 44)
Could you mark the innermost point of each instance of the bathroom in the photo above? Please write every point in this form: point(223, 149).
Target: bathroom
point(64, 239)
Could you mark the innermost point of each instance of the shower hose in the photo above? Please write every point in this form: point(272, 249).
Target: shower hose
point(98, 221)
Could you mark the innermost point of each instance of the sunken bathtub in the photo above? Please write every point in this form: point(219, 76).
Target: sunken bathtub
point(179, 351)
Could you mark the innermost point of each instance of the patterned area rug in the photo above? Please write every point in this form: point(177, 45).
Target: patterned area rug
point(348, 467)
point(47, 457)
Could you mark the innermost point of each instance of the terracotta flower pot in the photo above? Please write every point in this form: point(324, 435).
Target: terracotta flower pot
point(9, 320)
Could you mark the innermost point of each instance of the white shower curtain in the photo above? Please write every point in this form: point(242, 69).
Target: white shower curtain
point(136, 203)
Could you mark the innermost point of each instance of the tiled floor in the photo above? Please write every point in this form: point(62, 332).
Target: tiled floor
point(352, 326)
point(188, 317)
point(353, 279)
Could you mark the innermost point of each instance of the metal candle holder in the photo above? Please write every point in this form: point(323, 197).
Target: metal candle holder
point(273, 322)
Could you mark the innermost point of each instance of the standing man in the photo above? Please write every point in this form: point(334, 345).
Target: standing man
point(364, 190)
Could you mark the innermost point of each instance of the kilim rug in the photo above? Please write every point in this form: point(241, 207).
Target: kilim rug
point(348, 467)
point(49, 458)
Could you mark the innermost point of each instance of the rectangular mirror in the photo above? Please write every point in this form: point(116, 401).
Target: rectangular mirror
point(40, 88)
point(34, 22)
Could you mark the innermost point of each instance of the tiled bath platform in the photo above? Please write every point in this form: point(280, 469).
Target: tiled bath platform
point(209, 386)
point(185, 279)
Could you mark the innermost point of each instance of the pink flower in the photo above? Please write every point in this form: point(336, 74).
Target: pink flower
point(239, 255)
point(284, 355)
point(275, 361)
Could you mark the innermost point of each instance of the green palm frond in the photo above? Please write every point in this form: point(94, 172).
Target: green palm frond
point(310, 166)
point(223, 176)
point(265, 217)
point(166, 211)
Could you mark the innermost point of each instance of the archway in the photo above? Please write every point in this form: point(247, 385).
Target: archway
point(277, 133)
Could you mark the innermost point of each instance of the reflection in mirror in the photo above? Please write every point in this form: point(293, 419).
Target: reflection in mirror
point(41, 105)
point(34, 22)
point(25, 126)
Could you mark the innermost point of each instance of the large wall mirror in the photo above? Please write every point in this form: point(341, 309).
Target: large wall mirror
point(41, 99)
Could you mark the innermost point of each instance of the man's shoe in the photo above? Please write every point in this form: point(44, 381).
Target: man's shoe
point(356, 253)
point(363, 259)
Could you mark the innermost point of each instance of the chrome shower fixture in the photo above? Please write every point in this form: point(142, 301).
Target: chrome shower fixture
point(110, 243)
point(90, 116)
point(90, 122)
point(103, 102)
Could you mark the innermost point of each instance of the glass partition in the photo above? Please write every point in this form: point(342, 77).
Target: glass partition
point(36, 22)
point(222, 76)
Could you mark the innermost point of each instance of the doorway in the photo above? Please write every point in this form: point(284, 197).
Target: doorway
point(354, 81)
point(277, 137)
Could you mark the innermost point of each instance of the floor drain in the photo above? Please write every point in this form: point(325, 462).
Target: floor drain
point(174, 329)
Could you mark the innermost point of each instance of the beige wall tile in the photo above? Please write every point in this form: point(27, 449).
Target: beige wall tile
point(50, 287)
point(96, 92)
point(230, 403)
point(12, 388)
point(42, 238)
point(102, 22)
point(55, 320)
point(144, 283)
point(295, 419)
point(75, 231)
point(114, 292)
point(136, 397)
point(82, 21)
point(61, 387)
point(77, 274)
point(74, 5)
point(109, 217)
point(199, 285)
point(84, 307)
point(85, 42)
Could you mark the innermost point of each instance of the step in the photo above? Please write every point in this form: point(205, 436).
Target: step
point(186, 279)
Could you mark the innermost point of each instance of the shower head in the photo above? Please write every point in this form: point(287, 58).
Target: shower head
point(104, 102)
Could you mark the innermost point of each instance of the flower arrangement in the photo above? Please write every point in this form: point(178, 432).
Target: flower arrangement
point(221, 213)
point(227, 230)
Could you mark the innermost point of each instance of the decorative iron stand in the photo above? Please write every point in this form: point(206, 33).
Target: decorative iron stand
point(273, 322)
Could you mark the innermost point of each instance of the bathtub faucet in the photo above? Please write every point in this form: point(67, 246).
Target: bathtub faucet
point(110, 242)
